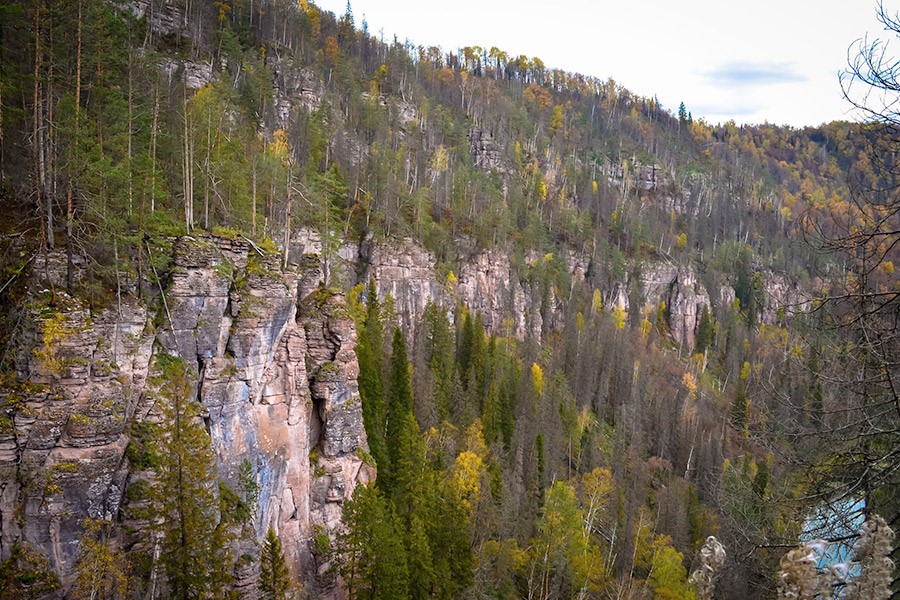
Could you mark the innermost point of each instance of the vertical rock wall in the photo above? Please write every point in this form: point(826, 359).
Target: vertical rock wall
point(277, 386)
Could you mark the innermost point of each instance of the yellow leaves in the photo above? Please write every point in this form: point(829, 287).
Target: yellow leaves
point(54, 331)
point(586, 420)
point(618, 315)
point(440, 159)
point(587, 563)
point(503, 557)
point(99, 567)
point(224, 9)
point(596, 303)
point(700, 132)
point(887, 267)
point(668, 577)
point(542, 190)
point(646, 328)
point(278, 147)
point(681, 241)
point(598, 488)
point(466, 481)
point(537, 378)
point(451, 281)
point(557, 120)
point(745, 371)
point(355, 304)
point(777, 336)
point(538, 95)
point(698, 359)
point(474, 441)
point(786, 213)
point(579, 321)
point(445, 75)
point(202, 99)
point(594, 186)
point(314, 20)
point(689, 383)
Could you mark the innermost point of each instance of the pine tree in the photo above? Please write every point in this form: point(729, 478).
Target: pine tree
point(705, 331)
point(740, 407)
point(401, 429)
point(439, 354)
point(371, 555)
point(449, 539)
point(419, 559)
point(193, 538)
point(371, 384)
point(99, 572)
point(274, 578)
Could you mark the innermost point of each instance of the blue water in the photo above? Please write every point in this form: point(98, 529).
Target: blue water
point(833, 521)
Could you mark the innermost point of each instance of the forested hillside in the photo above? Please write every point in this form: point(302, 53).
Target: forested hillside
point(588, 331)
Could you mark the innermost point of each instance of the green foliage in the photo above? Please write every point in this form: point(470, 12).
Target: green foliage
point(668, 577)
point(352, 167)
point(248, 485)
point(369, 351)
point(373, 560)
point(401, 429)
point(274, 577)
point(99, 568)
point(183, 497)
point(705, 331)
point(26, 574)
point(233, 509)
point(139, 450)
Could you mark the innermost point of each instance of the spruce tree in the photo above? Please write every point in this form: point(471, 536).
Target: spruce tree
point(371, 384)
point(371, 554)
point(440, 355)
point(705, 331)
point(185, 507)
point(274, 578)
point(740, 406)
point(399, 432)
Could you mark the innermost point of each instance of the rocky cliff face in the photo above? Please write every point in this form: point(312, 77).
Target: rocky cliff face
point(275, 374)
point(512, 303)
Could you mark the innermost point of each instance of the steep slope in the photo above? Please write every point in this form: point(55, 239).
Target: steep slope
point(274, 373)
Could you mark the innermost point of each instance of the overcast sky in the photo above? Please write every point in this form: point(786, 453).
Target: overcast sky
point(756, 61)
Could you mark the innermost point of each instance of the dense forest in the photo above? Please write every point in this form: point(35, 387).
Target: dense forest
point(594, 455)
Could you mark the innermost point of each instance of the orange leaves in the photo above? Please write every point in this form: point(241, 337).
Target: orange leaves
point(538, 95)
point(332, 50)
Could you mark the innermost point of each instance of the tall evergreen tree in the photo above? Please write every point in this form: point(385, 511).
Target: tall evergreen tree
point(401, 429)
point(371, 384)
point(193, 537)
point(705, 331)
point(372, 558)
point(274, 578)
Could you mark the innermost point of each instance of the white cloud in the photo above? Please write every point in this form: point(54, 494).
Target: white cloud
point(661, 48)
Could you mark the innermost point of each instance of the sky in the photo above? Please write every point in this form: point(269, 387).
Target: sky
point(753, 61)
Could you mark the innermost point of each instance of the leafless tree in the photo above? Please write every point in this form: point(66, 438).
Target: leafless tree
point(845, 433)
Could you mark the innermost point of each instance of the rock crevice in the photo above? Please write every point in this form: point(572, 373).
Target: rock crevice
point(275, 375)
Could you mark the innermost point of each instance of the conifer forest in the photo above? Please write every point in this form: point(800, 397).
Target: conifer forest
point(290, 310)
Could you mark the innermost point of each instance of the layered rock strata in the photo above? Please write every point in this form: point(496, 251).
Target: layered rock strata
point(275, 375)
